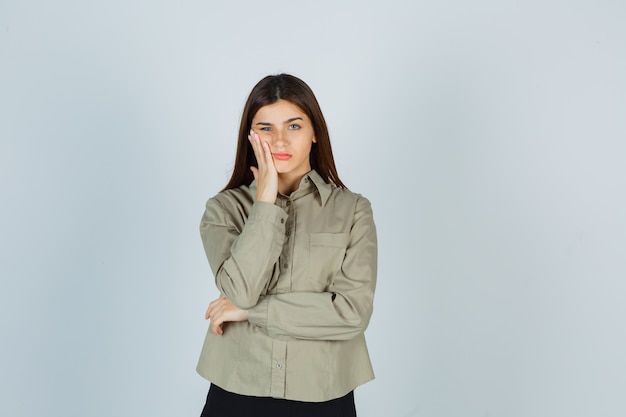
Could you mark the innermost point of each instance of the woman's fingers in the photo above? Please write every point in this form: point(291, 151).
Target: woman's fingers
point(214, 312)
point(257, 148)
point(267, 153)
point(216, 327)
point(213, 308)
point(265, 174)
point(262, 151)
point(221, 311)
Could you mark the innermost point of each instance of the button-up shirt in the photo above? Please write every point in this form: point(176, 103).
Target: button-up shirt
point(305, 268)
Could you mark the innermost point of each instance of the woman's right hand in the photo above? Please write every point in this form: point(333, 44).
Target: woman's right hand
point(265, 175)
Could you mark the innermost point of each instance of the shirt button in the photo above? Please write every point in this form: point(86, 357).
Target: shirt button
point(288, 203)
point(279, 365)
point(288, 233)
point(282, 220)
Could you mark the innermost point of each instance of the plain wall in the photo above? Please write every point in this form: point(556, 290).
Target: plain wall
point(490, 137)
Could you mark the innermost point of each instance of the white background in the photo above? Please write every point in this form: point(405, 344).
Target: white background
point(490, 137)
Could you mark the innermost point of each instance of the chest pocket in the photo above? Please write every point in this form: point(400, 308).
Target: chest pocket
point(326, 253)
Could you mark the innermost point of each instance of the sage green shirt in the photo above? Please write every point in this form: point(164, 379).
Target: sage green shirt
point(305, 267)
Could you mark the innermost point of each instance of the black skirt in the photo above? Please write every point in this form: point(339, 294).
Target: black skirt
point(221, 403)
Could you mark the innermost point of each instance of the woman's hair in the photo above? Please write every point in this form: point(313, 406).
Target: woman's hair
point(292, 89)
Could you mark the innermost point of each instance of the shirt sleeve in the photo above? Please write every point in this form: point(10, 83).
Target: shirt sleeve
point(339, 314)
point(242, 259)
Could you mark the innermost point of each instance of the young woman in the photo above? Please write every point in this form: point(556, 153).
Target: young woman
point(294, 256)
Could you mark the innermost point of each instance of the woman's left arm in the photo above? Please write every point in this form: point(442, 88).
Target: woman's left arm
point(339, 314)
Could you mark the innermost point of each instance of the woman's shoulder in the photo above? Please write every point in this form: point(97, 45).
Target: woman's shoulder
point(345, 196)
point(241, 196)
point(347, 193)
point(338, 194)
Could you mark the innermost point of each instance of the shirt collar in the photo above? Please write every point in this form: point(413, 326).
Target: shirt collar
point(322, 186)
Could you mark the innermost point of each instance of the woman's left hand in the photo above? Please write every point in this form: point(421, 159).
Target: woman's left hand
point(221, 311)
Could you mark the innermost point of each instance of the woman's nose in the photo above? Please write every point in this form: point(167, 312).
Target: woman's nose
point(278, 137)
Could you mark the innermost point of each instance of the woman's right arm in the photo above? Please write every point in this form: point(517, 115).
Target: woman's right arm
point(243, 258)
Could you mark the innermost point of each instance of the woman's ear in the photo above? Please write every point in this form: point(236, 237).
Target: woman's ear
point(314, 139)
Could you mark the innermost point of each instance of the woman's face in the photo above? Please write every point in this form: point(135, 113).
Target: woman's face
point(289, 132)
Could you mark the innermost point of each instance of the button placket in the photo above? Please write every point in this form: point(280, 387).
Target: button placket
point(286, 257)
point(279, 356)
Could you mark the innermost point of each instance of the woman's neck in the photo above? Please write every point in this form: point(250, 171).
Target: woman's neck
point(287, 184)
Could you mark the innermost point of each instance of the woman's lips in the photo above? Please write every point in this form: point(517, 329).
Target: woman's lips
point(282, 156)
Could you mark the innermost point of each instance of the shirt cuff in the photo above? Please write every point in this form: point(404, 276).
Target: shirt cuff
point(268, 212)
point(257, 315)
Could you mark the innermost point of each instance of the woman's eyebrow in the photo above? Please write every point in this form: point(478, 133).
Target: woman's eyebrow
point(293, 119)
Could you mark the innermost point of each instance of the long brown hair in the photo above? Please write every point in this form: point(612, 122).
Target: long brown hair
point(292, 89)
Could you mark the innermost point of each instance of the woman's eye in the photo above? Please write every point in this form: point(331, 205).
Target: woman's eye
point(266, 129)
point(294, 127)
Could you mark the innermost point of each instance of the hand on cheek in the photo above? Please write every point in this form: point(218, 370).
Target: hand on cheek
point(265, 174)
